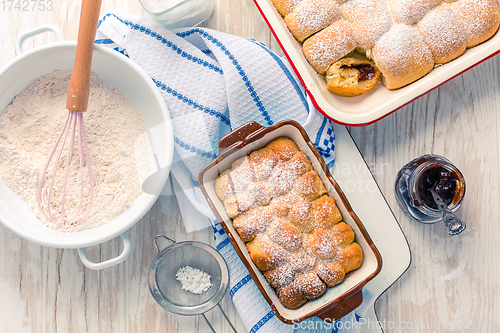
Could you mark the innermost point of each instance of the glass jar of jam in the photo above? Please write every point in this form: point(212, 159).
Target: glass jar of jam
point(413, 186)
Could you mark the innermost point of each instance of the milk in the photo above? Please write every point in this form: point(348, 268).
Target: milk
point(178, 13)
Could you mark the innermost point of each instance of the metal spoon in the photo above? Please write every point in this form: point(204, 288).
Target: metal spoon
point(454, 224)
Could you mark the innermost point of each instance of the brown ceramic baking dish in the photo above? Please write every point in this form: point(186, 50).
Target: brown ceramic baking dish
point(337, 301)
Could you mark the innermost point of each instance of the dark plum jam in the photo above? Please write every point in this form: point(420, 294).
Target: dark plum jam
point(443, 181)
point(416, 178)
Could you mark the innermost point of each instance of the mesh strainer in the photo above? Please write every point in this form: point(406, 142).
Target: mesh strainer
point(167, 291)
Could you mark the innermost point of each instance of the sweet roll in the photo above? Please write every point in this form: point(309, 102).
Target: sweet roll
point(310, 16)
point(292, 228)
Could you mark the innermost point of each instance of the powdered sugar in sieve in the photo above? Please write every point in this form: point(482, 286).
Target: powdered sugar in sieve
point(167, 290)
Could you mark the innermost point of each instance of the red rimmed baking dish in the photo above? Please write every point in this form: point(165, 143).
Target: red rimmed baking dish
point(380, 102)
point(337, 301)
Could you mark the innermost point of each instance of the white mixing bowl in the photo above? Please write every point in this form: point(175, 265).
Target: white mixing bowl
point(118, 71)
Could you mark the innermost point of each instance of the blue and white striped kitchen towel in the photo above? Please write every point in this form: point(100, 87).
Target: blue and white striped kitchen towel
point(212, 83)
point(256, 312)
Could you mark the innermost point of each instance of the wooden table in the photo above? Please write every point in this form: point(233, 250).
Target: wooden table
point(452, 283)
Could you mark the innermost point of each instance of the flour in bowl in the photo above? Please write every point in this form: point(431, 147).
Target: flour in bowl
point(116, 135)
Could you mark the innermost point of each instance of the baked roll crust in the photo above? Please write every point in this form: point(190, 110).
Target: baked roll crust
point(309, 186)
point(370, 19)
point(285, 174)
point(479, 18)
point(320, 244)
point(284, 204)
point(311, 285)
point(249, 224)
point(285, 7)
point(402, 56)
point(291, 296)
point(326, 212)
point(264, 160)
point(284, 148)
point(329, 45)
point(223, 187)
point(330, 272)
point(292, 228)
point(280, 277)
point(301, 262)
point(305, 286)
point(310, 16)
point(285, 234)
point(443, 34)
point(342, 234)
point(302, 215)
point(350, 257)
point(242, 174)
point(410, 11)
point(265, 254)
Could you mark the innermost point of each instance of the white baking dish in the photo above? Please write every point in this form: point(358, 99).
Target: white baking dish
point(118, 71)
point(378, 103)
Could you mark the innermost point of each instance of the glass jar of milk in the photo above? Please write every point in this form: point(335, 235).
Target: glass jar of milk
point(178, 13)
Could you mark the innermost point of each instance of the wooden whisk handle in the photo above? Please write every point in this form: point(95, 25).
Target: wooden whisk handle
point(79, 84)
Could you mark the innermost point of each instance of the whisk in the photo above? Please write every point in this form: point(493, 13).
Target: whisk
point(73, 132)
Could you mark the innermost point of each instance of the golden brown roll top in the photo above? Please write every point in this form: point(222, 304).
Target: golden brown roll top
point(329, 45)
point(402, 56)
point(265, 254)
point(310, 16)
point(285, 7)
point(410, 12)
point(331, 272)
point(479, 18)
point(370, 19)
point(292, 229)
point(443, 34)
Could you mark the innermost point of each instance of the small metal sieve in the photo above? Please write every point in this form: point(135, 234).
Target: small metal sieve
point(167, 291)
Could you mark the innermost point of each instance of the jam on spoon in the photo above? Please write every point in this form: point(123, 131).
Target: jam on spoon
point(442, 181)
point(454, 224)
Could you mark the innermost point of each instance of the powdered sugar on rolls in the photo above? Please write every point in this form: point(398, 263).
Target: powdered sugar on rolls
point(311, 16)
point(480, 19)
point(285, 7)
point(329, 45)
point(369, 20)
point(443, 34)
point(297, 239)
point(402, 56)
point(410, 11)
point(441, 28)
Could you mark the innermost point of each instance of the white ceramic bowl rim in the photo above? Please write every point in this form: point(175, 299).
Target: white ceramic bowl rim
point(143, 83)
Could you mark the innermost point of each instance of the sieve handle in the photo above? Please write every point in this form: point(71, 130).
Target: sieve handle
point(162, 236)
point(127, 246)
point(225, 316)
point(208, 322)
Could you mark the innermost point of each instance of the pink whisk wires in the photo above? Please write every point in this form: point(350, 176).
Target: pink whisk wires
point(73, 130)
